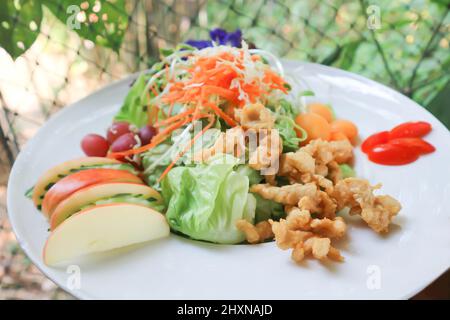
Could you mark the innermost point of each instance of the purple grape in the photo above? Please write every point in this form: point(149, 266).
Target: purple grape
point(123, 143)
point(116, 130)
point(146, 134)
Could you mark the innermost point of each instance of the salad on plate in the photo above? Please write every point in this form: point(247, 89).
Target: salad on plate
point(214, 144)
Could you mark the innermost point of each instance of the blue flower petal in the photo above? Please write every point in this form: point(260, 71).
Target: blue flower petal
point(199, 44)
point(234, 38)
point(218, 35)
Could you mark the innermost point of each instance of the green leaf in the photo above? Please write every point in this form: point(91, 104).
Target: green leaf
point(330, 59)
point(20, 23)
point(102, 22)
point(267, 209)
point(134, 108)
point(444, 3)
point(205, 201)
point(439, 105)
point(165, 52)
point(347, 56)
point(29, 192)
point(347, 171)
point(307, 93)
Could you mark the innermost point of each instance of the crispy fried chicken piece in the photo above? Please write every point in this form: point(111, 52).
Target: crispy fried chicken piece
point(266, 156)
point(271, 179)
point(380, 215)
point(255, 233)
point(286, 238)
point(289, 194)
point(319, 248)
point(298, 219)
point(316, 161)
point(376, 211)
point(231, 141)
point(321, 203)
point(334, 172)
point(301, 161)
point(329, 228)
point(255, 116)
point(298, 253)
point(326, 151)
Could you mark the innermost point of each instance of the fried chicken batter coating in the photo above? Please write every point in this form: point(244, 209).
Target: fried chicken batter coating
point(255, 233)
point(266, 156)
point(298, 219)
point(316, 161)
point(324, 152)
point(329, 228)
point(321, 203)
point(255, 116)
point(288, 195)
point(319, 248)
point(285, 237)
point(376, 211)
point(231, 141)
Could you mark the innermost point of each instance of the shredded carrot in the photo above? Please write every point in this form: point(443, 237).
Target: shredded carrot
point(187, 148)
point(221, 114)
point(174, 118)
point(169, 113)
point(155, 93)
point(160, 137)
point(211, 77)
point(214, 86)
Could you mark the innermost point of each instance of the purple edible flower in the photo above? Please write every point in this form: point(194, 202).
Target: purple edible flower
point(219, 36)
point(234, 39)
point(199, 44)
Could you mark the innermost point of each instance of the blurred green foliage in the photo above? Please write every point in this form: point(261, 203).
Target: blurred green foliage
point(409, 51)
point(103, 22)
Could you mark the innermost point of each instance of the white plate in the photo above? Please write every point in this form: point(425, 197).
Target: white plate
point(412, 255)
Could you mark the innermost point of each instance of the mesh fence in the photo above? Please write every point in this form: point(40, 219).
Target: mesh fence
point(65, 49)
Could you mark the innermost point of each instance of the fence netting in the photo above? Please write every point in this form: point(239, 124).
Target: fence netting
point(56, 52)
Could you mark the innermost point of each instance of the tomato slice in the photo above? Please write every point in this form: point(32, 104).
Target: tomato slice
point(393, 155)
point(419, 145)
point(410, 130)
point(374, 140)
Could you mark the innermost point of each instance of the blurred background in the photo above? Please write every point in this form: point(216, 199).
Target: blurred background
point(53, 53)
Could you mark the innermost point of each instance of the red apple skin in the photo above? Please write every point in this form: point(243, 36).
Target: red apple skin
point(79, 180)
point(55, 217)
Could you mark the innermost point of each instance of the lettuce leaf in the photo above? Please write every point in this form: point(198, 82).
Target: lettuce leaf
point(134, 107)
point(204, 202)
point(347, 171)
point(152, 157)
point(285, 124)
point(254, 177)
point(267, 209)
point(287, 133)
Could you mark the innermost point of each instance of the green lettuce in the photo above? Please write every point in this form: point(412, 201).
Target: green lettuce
point(156, 160)
point(347, 171)
point(154, 163)
point(286, 126)
point(134, 107)
point(267, 209)
point(204, 202)
point(254, 177)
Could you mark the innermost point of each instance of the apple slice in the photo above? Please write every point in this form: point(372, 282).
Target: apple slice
point(55, 173)
point(96, 192)
point(103, 228)
point(79, 180)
